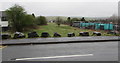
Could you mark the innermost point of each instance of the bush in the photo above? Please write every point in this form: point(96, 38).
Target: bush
point(28, 20)
point(41, 20)
point(59, 21)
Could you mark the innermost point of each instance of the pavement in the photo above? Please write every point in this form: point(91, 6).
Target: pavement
point(97, 51)
point(59, 40)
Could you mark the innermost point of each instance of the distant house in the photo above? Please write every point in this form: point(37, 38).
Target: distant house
point(52, 21)
point(3, 21)
point(117, 27)
point(76, 23)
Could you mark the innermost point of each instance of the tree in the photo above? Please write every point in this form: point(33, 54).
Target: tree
point(33, 15)
point(28, 20)
point(15, 15)
point(114, 19)
point(69, 21)
point(75, 19)
point(18, 18)
point(58, 21)
point(41, 20)
point(83, 19)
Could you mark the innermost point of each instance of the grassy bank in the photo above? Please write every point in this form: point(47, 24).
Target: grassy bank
point(62, 29)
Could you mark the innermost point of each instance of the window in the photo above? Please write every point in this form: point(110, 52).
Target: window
point(4, 18)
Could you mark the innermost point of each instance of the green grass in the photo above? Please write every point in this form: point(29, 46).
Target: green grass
point(62, 29)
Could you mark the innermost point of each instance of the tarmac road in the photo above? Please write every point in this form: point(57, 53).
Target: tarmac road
point(97, 51)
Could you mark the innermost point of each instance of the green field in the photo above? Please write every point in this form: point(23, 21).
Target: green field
point(62, 29)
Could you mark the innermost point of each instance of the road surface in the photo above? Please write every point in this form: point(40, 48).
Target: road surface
point(101, 51)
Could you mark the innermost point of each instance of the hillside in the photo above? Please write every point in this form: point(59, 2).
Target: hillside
point(49, 18)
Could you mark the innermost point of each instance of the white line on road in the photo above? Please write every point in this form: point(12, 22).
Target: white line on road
point(1, 47)
point(54, 57)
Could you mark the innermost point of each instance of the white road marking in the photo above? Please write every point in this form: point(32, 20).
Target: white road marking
point(1, 47)
point(54, 57)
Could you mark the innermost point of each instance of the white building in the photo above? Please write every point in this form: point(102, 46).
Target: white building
point(3, 21)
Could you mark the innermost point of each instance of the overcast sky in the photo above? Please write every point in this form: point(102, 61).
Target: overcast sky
point(67, 8)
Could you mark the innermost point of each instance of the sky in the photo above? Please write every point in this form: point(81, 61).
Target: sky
point(84, 8)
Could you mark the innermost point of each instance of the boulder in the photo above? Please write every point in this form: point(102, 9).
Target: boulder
point(81, 33)
point(45, 34)
point(5, 36)
point(56, 34)
point(97, 33)
point(84, 34)
point(71, 34)
point(32, 34)
point(18, 35)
